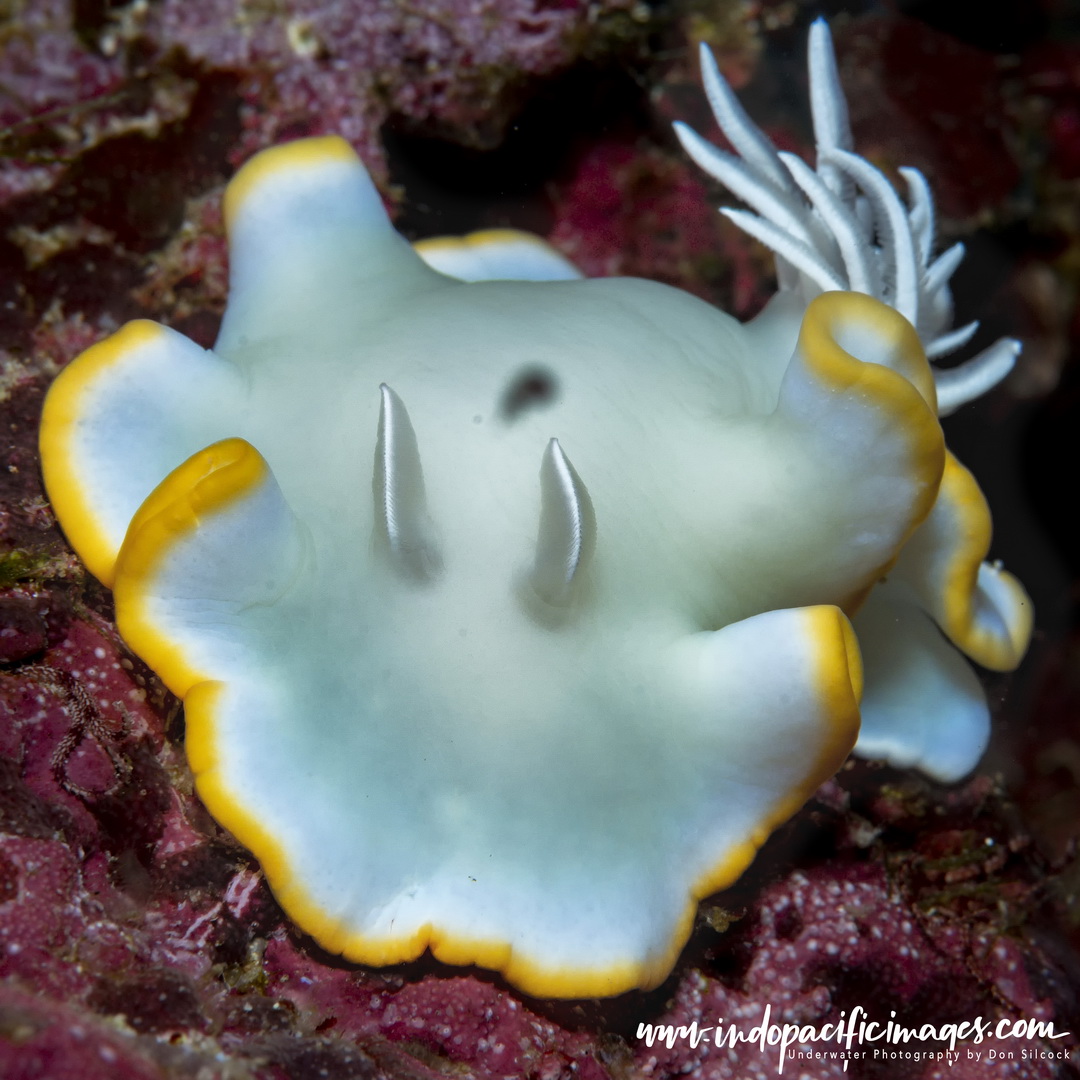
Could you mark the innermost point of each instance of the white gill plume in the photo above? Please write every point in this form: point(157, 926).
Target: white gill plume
point(842, 225)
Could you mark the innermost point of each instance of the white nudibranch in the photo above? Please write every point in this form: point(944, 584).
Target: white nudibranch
point(510, 610)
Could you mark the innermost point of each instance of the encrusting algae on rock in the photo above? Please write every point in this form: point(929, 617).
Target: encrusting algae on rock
point(511, 614)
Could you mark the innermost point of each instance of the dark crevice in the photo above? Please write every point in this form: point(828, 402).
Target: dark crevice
point(90, 17)
point(455, 189)
point(135, 189)
point(997, 28)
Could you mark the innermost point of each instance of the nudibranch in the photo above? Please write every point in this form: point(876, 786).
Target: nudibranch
point(510, 615)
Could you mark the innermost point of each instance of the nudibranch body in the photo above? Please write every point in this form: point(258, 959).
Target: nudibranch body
point(510, 616)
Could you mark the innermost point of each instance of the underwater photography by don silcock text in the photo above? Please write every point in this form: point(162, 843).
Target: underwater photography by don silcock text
point(536, 540)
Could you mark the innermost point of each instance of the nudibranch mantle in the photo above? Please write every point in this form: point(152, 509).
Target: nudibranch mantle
point(511, 616)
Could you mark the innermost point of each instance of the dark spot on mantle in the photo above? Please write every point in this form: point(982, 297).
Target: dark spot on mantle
point(530, 388)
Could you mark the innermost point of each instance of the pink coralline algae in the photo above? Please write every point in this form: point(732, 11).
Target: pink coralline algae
point(137, 940)
point(841, 940)
point(75, 75)
point(456, 1020)
point(46, 72)
point(344, 67)
point(643, 213)
point(920, 97)
point(120, 124)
